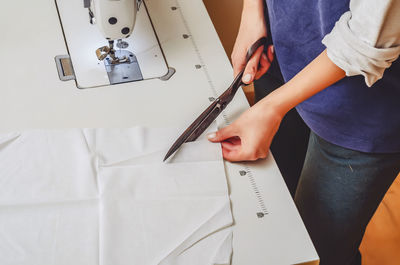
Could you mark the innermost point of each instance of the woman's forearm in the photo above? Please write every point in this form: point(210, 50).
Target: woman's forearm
point(253, 3)
point(315, 77)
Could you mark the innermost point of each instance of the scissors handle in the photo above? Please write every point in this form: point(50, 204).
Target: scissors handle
point(253, 48)
point(228, 95)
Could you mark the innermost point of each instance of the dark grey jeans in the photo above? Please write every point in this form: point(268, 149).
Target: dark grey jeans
point(338, 192)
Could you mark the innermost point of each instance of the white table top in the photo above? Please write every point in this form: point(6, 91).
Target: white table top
point(32, 96)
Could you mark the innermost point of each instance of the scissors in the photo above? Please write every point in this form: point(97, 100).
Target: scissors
point(218, 105)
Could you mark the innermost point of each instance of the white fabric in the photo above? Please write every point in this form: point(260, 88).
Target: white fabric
point(366, 40)
point(104, 197)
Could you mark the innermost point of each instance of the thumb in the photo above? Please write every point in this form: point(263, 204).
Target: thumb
point(221, 134)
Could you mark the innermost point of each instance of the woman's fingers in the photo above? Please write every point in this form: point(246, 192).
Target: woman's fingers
point(271, 53)
point(228, 146)
point(238, 65)
point(231, 144)
point(264, 66)
point(234, 140)
point(222, 134)
point(246, 149)
point(265, 62)
point(230, 155)
point(252, 66)
point(240, 153)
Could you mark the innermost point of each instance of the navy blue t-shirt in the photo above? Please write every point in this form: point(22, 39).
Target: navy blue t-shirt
point(348, 113)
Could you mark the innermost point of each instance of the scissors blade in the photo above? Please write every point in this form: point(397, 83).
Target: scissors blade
point(207, 117)
point(197, 127)
point(212, 112)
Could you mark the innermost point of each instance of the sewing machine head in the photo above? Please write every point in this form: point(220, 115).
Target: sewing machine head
point(115, 19)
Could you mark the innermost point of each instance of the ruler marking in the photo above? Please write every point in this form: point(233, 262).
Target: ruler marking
point(256, 190)
point(253, 183)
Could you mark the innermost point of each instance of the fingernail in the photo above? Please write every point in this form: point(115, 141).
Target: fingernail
point(247, 78)
point(211, 135)
point(272, 49)
point(264, 56)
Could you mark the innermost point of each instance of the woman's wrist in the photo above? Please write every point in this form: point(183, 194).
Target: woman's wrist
point(278, 102)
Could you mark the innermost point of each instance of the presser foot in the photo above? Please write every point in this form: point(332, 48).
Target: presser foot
point(108, 52)
point(121, 65)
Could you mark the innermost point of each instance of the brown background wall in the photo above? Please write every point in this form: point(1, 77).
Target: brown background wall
point(225, 15)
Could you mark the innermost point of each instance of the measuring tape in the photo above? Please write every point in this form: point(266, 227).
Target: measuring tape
point(262, 209)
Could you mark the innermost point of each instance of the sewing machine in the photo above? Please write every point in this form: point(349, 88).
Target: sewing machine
point(52, 78)
point(109, 42)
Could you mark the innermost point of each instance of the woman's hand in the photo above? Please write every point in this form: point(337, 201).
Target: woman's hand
point(250, 136)
point(252, 27)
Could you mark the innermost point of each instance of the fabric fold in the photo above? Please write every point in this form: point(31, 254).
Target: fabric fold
point(213, 226)
point(8, 139)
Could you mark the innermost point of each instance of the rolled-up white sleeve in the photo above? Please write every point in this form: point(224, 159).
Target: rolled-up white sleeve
point(366, 40)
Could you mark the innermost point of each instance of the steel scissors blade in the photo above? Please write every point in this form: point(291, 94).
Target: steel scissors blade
point(218, 105)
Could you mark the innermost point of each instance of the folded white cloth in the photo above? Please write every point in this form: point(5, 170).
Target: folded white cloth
point(104, 197)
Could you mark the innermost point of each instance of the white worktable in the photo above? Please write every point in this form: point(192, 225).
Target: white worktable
point(32, 96)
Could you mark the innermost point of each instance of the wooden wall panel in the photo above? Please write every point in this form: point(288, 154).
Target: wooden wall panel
point(225, 15)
